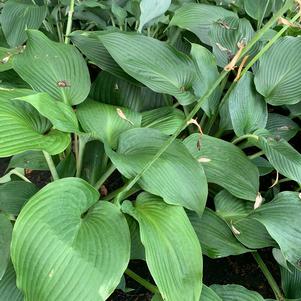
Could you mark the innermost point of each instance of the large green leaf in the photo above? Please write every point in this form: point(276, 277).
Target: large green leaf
point(216, 238)
point(226, 34)
point(110, 89)
point(90, 45)
point(14, 194)
point(281, 155)
point(247, 108)
point(225, 165)
point(106, 122)
point(19, 15)
point(198, 18)
point(60, 114)
point(209, 295)
point(173, 253)
point(277, 76)
point(22, 129)
point(176, 176)
point(54, 68)
point(258, 9)
point(5, 239)
point(150, 10)
point(282, 219)
point(8, 288)
point(29, 160)
point(172, 72)
point(291, 282)
point(233, 292)
point(64, 249)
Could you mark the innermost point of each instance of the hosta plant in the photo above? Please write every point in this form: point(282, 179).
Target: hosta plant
point(170, 132)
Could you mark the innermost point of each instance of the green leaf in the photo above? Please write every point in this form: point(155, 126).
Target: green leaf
point(225, 165)
point(282, 156)
point(226, 33)
point(176, 176)
point(54, 68)
point(258, 9)
point(209, 295)
point(8, 288)
point(5, 239)
point(14, 194)
point(172, 72)
point(24, 129)
point(165, 119)
point(60, 114)
point(90, 45)
point(215, 236)
point(9, 176)
point(173, 253)
point(247, 108)
point(208, 72)
point(67, 167)
point(281, 217)
point(198, 18)
point(19, 15)
point(277, 76)
point(150, 10)
point(109, 89)
point(282, 126)
point(29, 160)
point(106, 122)
point(62, 248)
point(291, 282)
point(233, 292)
point(263, 165)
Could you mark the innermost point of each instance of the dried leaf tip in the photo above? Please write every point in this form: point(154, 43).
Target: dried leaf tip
point(232, 65)
point(194, 121)
point(283, 21)
point(234, 230)
point(258, 201)
point(122, 116)
point(276, 180)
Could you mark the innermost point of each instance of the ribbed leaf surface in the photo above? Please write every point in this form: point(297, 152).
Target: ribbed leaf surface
point(54, 68)
point(173, 253)
point(62, 250)
point(176, 176)
point(277, 76)
point(5, 239)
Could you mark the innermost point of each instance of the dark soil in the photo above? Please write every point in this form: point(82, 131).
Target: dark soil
point(241, 269)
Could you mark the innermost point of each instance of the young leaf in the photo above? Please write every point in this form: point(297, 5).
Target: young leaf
point(150, 10)
point(58, 236)
point(14, 194)
point(19, 15)
point(225, 165)
point(176, 176)
point(198, 18)
point(215, 236)
point(173, 253)
point(172, 72)
point(281, 217)
point(23, 129)
point(8, 288)
point(60, 114)
point(5, 238)
point(247, 108)
point(106, 122)
point(54, 68)
point(233, 292)
point(277, 76)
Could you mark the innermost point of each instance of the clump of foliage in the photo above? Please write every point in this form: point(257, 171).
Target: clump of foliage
point(169, 131)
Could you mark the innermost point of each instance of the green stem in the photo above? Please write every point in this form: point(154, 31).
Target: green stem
point(113, 194)
point(21, 176)
point(152, 288)
point(243, 137)
point(51, 166)
point(278, 294)
point(256, 155)
point(104, 177)
point(69, 21)
point(79, 159)
point(201, 101)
